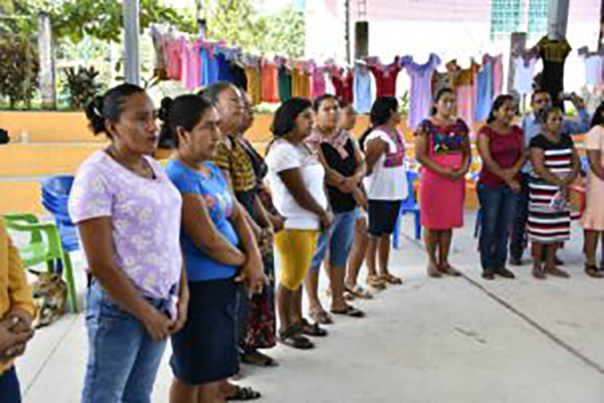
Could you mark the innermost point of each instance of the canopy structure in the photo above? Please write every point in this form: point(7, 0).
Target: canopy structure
point(131, 41)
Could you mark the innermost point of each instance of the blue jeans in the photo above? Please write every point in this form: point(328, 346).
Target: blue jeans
point(498, 204)
point(122, 358)
point(9, 387)
point(338, 238)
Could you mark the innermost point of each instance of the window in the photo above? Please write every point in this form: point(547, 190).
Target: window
point(537, 18)
point(506, 17)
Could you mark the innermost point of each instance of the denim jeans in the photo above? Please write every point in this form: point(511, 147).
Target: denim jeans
point(122, 358)
point(498, 204)
point(9, 387)
point(337, 239)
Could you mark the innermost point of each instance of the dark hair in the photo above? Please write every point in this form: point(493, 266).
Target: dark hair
point(546, 112)
point(598, 119)
point(497, 104)
point(213, 91)
point(109, 106)
point(536, 92)
point(441, 93)
point(285, 117)
point(184, 111)
point(381, 112)
point(319, 100)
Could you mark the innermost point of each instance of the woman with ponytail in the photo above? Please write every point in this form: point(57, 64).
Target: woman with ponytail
point(128, 216)
point(442, 147)
point(501, 147)
point(386, 186)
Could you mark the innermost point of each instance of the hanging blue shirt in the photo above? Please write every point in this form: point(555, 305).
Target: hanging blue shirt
point(484, 93)
point(209, 68)
point(362, 89)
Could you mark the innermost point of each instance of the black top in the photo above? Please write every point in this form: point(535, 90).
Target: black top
point(553, 53)
point(340, 202)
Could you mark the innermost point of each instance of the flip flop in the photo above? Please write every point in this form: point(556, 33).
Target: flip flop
point(321, 317)
point(391, 279)
point(295, 340)
point(244, 393)
point(349, 311)
point(309, 329)
point(376, 282)
point(258, 359)
point(360, 292)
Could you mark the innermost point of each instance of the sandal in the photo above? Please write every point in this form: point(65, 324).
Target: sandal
point(538, 272)
point(433, 271)
point(556, 272)
point(294, 339)
point(448, 269)
point(349, 295)
point(593, 271)
point(244, 393)
point(374, 281)
point(359, 292)
point(349, 311)
point(321, 317)
point(308, 329)
point(391, 279)
point(258, 359)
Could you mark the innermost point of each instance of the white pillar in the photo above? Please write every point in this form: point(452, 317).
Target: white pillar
point(47, 63)
point(557, 19)
point(131, 32)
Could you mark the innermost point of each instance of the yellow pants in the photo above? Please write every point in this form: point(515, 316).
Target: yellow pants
point(296, 249)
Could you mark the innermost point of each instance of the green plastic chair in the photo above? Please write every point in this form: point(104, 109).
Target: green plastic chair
point(44, 249)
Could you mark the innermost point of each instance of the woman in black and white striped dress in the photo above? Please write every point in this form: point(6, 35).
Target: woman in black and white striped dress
point(555, 166)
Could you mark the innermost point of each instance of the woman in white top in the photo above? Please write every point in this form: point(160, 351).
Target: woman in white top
point(296, 178)
point(386, 185)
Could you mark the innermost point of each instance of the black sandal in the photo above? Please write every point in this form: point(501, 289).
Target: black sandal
point(349, 311)
point(258, 359)
point(305, 327)
point(295, 339)
point(593, 271)
point(244, 393)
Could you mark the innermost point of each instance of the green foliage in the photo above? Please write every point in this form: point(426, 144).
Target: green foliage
point(404, 103)
point(102, 19)
point(82, 86)
point(238, 23)
point(19, 69)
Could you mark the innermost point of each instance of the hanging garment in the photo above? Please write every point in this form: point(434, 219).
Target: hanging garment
point(238, 75)
point(465, 93)
point(254, 80)
point(593, 68)
point(270, 82)
point(523, 75)
point(317, 80)
point(485, 82)
point(209, 65)
point(173, 47)
point(191, 66)
point(385, 78)
point(224, 69)
point(343, 82)
point(553, 53)
point(362, 88)
point(421, 88)
point(285, 83)
point(497, 62)
point(160, 68)
point(301, 81)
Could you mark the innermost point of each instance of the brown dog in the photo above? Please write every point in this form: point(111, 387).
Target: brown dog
point(50, 296)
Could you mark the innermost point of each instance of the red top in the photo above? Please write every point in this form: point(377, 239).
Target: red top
point(506, 150)
point(344, 85)
point(385, 78)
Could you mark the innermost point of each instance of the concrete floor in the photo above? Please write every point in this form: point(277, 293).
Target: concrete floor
point(429, 340)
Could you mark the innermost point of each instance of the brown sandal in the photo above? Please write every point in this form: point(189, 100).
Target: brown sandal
point(449, 270)
point(391, 279)
point(538, 272)
point(375, 282)
point(593, 271)
point(321, 317)
point(433, 271)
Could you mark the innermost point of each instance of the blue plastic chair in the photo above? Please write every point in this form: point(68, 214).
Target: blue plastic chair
point(409, 205)
point(55, 197)
point(478, 224)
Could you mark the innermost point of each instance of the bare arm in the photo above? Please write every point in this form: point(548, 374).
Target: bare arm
point(98, 244)
point(595, 163)
point(198, 225)
point(537, 159)
point(252, 271)
point(375, 148)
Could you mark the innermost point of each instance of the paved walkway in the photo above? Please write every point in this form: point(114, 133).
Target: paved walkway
point(430, 340)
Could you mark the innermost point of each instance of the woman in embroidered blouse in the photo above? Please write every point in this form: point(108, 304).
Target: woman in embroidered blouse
point(386, 185)
point(128, 217)
point(442, 147)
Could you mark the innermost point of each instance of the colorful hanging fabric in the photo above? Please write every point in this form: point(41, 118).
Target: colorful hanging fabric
point(385, 77)
point(343, 82)
point(362, 88)
point(421, 88)
point(270, 82)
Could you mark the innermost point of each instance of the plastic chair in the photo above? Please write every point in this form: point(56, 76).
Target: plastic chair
point(409, 205)
point(55, 198)
point(44, 247)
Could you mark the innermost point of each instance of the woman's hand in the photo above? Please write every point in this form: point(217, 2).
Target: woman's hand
point(157, 324)
point(361, 199)
point(326, 219)
point(514, 185)
point(278, 222)
point(182, 308)
point(252, 274)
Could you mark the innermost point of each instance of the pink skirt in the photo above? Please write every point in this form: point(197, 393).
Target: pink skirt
point(441, 199)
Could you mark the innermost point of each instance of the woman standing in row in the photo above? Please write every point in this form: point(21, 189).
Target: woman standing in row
point(555, 166)
point(296, 177)
point(593, 216)
point(345, 169)
point(501, 147)
point(218, 247)
point(386, 185)
point(128, 215)
point(442, 147)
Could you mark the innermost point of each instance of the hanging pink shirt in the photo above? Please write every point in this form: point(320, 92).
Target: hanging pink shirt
point(317, 87)
point(174, 58)
point(343, 82)
point(497, 75)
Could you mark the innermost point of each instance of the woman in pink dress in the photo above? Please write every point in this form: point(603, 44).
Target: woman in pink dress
point(593, 217)
point(442, 147)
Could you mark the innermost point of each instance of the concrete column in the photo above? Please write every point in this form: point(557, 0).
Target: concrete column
point(557, 19)
point(47, 63)
point(131, 32)
point(361, 39)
